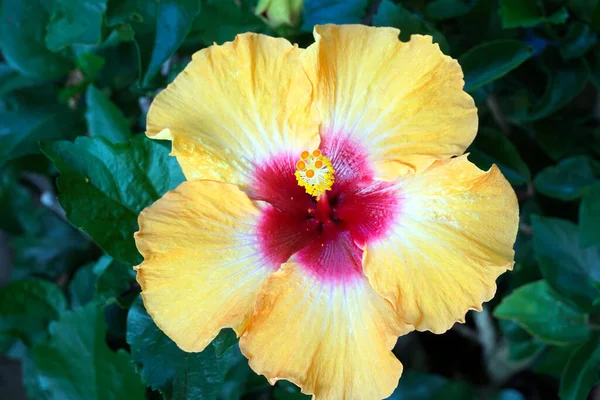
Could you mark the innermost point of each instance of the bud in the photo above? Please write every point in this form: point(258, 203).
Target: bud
point(279, 13)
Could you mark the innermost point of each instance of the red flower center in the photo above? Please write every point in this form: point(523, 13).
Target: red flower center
point(326, 234)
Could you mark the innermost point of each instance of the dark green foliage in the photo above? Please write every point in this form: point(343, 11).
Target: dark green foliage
point(82, 285)
point(420, 386)
point(567, 267)
point(104, 119)
point(74, 22)
point(528, 13)
point(124, 178)
point(76, 80)
point(24, 125)
point(480, 69)
point(390, 14)
point(492, 147)
point(534, 304)
point(582, 371)
point(165, 367)
point(75, 345)
point(589, 217)
point(115, 282)
point(333, 12)
point(48, 248)
point(567, 180)
point(27, 306)
point(22, 29)
point(159, 28)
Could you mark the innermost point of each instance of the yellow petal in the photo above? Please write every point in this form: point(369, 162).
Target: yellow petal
point(402, 101)
point(234, 106)
point(202, 264)
point(333, 339)
point(452, 238)
point(199, 163)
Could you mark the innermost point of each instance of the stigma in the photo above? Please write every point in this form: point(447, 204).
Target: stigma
point(314, 172)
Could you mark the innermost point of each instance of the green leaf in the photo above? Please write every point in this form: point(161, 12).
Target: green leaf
point(90, 64)
point(446, 9)
point(104, 118)
point(115, 317)
point(160, 27)
point(582, 9)
point(240, 379)
point(492, 60)
point(49, 249)
point(578, 40)
point(569, 269)
point(11, 80)
point(595, 18)
point(76, 362)
point(75, 22)
point(279, 394)
point(221, 20)
point(390, 14)
point(115, 282)
point(521, 345)
point(34, 387)
point(508, 394)
point(552, 362)
point(121, 67)
point(165, 367)
point(582, 371)
point(589, 217)
point(17, 209)
point(333, 12)
point(519, 13)
point(559, 17)
point(550, 134)
point(173, 23)
point(34, 384)
point(456, 390)
point(525, 269)
point(527, 14)
point(421, 386)
point(22, 29)
point(530, 208)
point(540, 311)
point(565, 81)
point(492, 147)
point(224, 341)
point(567, 180)
point(27, 306)
point(593, 64)
point(82, 286)
point(285, 390)
point(24, 128)
point(418, 386)
point(103, 187)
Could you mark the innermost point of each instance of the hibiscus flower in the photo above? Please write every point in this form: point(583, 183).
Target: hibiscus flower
point(328, 208)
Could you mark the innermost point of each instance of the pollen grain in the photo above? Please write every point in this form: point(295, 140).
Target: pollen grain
point(314, 172)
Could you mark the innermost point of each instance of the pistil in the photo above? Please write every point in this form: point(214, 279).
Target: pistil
point(314, 172)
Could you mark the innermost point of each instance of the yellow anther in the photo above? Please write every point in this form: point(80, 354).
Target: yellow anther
point(314, 172)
